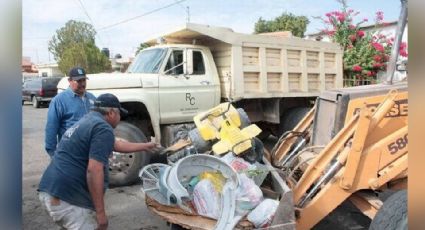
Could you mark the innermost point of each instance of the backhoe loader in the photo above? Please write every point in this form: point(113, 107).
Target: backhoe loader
point(352, 146)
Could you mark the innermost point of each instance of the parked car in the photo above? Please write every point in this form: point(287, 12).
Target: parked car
point(40, 90)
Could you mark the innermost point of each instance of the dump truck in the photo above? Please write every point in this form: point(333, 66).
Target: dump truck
point(273, 77)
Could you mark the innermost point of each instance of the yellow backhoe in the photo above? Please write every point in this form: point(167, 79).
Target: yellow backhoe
point(352, 146)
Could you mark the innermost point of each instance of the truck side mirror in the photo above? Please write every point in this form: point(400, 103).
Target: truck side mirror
point(189, 62)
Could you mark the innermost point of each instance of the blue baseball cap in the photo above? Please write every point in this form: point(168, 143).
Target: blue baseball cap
point(77, 73)
point(110, 100)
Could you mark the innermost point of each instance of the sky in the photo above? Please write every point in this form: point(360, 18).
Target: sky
point(122, 25)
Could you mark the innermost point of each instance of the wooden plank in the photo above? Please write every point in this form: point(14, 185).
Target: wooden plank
point(178, 216)
point(251, 68)
point(263, 71)
point(304, 76)
point(339, 69)
point(176, 146)
point(284, 59)
point(322, 71)
point(274, 69)
point(274, 82)
point(237, 73)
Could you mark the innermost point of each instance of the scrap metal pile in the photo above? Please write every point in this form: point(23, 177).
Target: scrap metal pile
point(216, 172)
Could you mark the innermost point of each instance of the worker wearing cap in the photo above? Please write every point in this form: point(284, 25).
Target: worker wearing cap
point(66, 108)
point(72, 187)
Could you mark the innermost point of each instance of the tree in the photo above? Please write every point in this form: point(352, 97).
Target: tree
point(287, 21)
point(74, 45)
point(365, 53)
point(261, 26)
point(141, 47)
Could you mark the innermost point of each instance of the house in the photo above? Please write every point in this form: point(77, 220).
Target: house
point(49, 70)
point(120, 64)
point(28, 66)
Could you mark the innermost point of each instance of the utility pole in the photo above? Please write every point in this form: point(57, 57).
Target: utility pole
point(187, 9)
point(188, 14)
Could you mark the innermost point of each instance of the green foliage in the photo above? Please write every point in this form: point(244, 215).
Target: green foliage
point(286, 22)
point(74, 45)
point(141, 47)
point(261, 26)
point(365, 53)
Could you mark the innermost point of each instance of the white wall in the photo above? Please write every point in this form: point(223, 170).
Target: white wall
point(51, 71)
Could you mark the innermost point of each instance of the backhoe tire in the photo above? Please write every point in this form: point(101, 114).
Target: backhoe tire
point(392, 214)
point(124, 167)
point(35, 102)
point(291, 118)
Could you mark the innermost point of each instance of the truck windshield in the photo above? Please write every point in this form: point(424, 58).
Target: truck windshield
point(148, 61)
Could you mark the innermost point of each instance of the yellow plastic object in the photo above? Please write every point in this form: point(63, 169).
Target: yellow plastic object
point(209, 122)
point(233, 139)
point(216, 178)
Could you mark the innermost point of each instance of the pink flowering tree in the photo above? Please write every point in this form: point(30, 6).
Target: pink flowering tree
point(365, 54)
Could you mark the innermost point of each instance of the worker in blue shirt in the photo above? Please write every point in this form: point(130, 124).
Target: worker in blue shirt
point(72, 187)
point(67, 108)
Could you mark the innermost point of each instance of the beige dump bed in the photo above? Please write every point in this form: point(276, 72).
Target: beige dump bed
point(264, 66)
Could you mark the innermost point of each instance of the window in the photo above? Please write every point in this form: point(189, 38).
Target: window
point(198, 63)
point(175, 63)
point(44, 74)
point(148, 61)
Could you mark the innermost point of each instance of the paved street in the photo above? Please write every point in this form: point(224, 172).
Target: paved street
point(125, 206)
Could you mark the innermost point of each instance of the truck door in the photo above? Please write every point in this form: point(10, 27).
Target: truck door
point(183, 91)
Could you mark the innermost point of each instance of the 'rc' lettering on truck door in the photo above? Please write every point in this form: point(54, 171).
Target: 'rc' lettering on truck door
point(190, 99)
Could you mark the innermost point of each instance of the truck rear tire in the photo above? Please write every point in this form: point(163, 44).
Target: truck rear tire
point(290, 119)
point(124, 167)
point(35, 102)
point(392, 214)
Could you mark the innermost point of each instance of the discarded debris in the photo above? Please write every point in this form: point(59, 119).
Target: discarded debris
point(224, 186)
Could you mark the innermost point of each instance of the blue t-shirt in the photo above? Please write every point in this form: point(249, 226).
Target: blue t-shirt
point(65, 109)
point(66, 176)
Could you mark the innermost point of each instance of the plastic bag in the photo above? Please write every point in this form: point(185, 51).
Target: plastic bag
point(206, 199)
point(216, 178)
point(248, 195)
point(237, 163)
point(263, 214)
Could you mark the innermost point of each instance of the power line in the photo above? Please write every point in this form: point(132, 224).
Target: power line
point(88, 16)
point(85, 11)
point(142, 15)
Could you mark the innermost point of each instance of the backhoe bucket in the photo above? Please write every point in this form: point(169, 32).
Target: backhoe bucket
point(284, 217)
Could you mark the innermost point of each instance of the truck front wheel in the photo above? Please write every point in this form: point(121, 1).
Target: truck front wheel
point(124, 167)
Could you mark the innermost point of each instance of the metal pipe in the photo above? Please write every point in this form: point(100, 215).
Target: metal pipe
point(325, 178)
point(399, 35)
point(330, 173)
point(293, 152)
